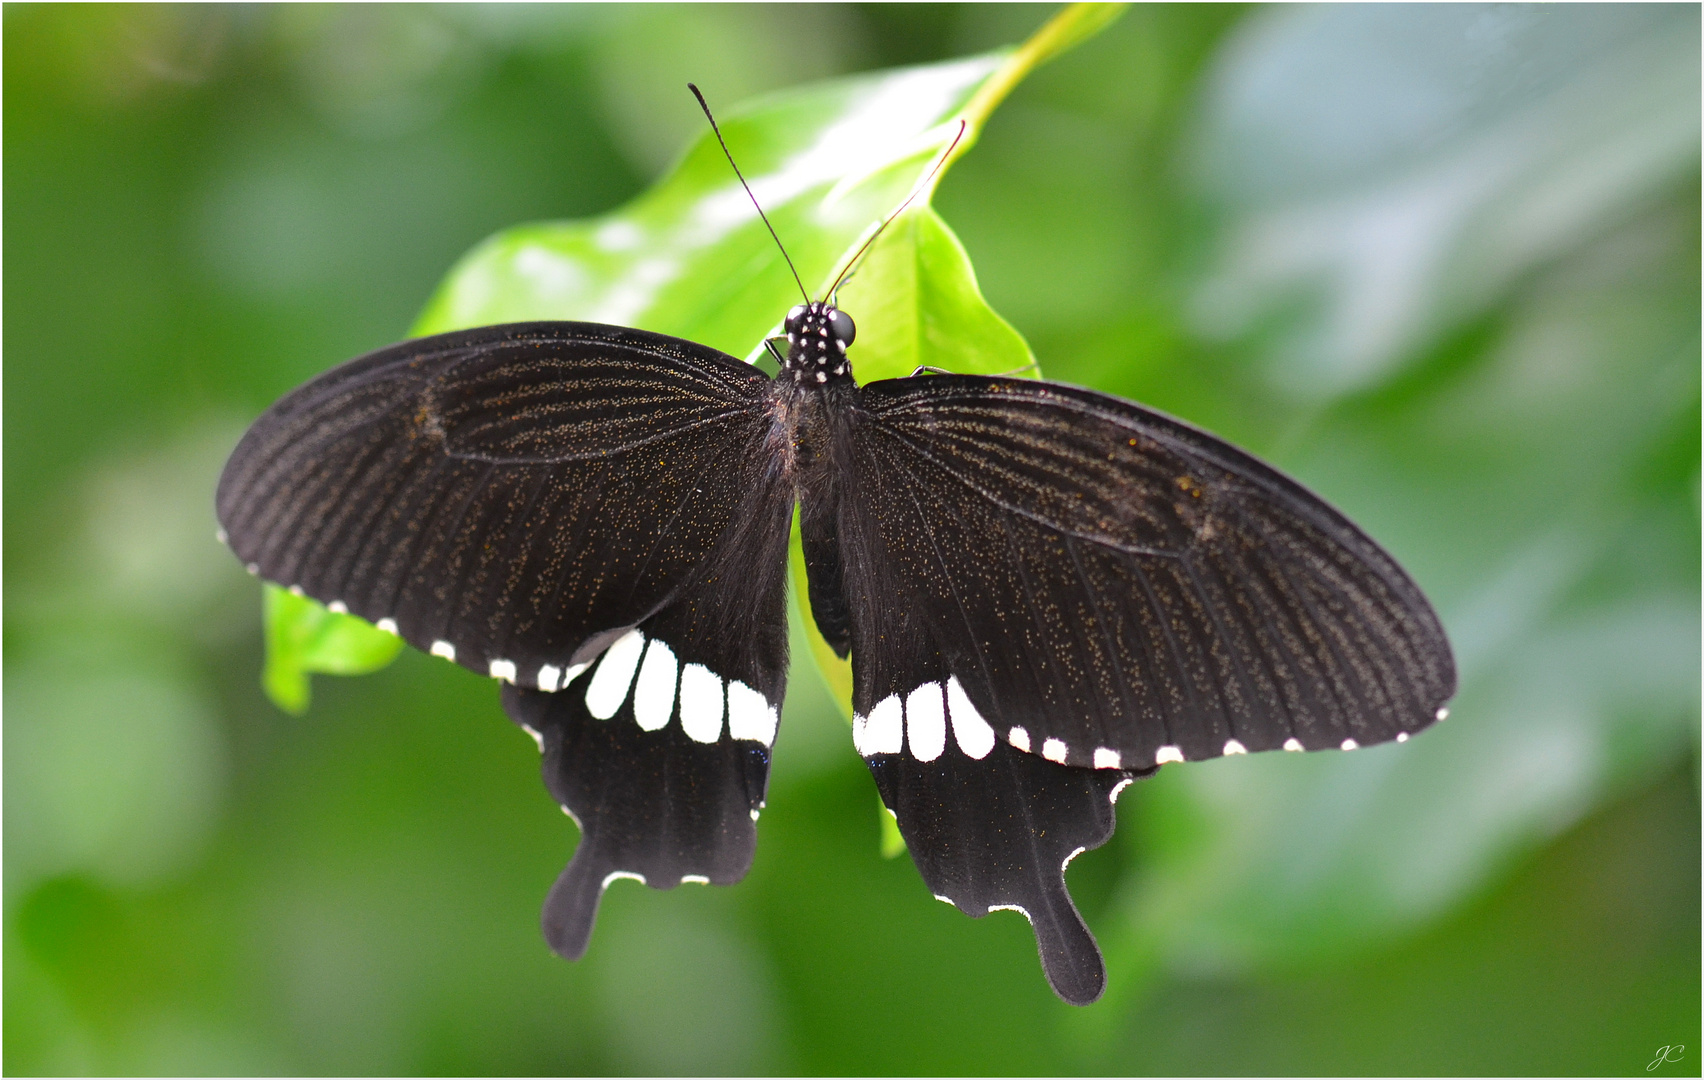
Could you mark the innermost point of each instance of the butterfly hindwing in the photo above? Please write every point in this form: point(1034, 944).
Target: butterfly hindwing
point(1115, 589)
point(990, 827)
point(662, 763)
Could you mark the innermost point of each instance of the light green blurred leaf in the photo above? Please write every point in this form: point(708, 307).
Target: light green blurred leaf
point(1507, 467)
point(303, 638)
point(690, 257)
point(917, 304)
point(1393, 169)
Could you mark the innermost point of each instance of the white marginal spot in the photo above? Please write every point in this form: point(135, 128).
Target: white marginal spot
point(970, 731)
point(1019, 738)
point(654, 694)
point(925, 722)
point(1167, 753)
point(537, 738)
point(547, 676)
point(1118, 789)
point(750, 716)
point(296, 590)
point(1054, 750)
point(1234, 747)
point(1068, 858)
point(1292, 744)
point(694, 879)
point(575, 818)
point(219, 535)
point(1012, 907)
point(387, 625)
point(503, 669)
point(444, 649)
point(609, 685)
point(1351, 744)
point(1402, 736)
point(885, 733)
point(702, 702)
point(1106, 759)
point(572, 673)
point(617, 875)
point(1443, 713)
point(337, 607)
point(754, 815)
point(253, 568)
point(945, 900)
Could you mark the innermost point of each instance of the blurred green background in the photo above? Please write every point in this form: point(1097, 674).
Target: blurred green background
point(1441, 263)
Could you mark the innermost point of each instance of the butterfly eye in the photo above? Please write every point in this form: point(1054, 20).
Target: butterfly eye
point(793, 318)
point(840, 325)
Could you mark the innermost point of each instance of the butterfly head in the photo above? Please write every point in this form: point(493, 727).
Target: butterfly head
point(817, 336)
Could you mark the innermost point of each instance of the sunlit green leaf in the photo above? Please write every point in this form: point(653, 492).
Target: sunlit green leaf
point(303, 638)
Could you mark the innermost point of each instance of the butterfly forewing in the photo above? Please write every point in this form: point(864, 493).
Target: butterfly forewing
point(503, 496)
point(1116, 589)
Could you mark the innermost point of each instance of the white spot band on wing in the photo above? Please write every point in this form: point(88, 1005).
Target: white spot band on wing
point(654, 693)
point(885, 732)
point(1012, 907)
point(609, 683)
point(750, 716)
point(970, 731)
point(701, 703)
point(925, 722)
point(548, 675)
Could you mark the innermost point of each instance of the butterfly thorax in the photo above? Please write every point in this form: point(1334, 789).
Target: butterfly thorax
point(817, 336)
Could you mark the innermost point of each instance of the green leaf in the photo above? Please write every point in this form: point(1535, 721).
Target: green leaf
point(303, 638)
point(692, 258)
point(917, 304)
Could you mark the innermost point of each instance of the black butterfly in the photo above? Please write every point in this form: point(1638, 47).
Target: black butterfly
point(1046, 592)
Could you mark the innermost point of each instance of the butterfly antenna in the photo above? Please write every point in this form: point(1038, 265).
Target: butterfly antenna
point(702, 104)
point(922, 186)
